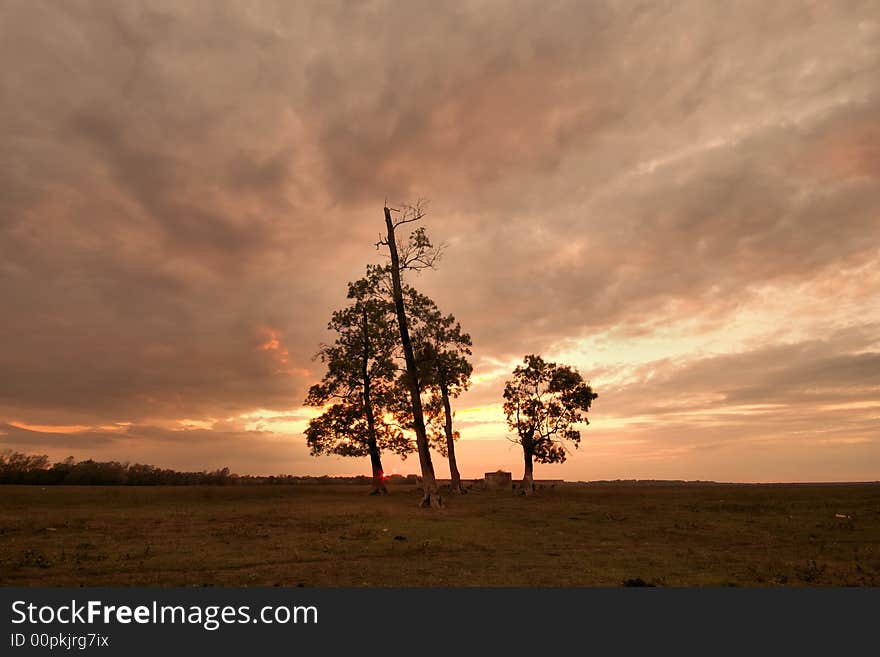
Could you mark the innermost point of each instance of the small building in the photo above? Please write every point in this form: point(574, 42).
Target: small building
point(498, 479)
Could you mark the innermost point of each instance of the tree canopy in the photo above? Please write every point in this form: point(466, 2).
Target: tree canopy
point(359, 382)
point(441, 352)
point(543, 403)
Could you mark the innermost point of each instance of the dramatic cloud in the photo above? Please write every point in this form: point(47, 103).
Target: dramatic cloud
point(682, 200)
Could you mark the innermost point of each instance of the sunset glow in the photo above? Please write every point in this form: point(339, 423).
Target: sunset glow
point(684, 206)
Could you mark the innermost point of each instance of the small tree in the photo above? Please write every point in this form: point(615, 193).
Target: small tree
point(359, 382)
point(543, 402)
point(441, 351)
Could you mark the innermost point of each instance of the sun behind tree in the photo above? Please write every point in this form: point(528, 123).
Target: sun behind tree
point(359, 382)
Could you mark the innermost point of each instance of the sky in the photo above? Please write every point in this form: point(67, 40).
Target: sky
point(680, 199)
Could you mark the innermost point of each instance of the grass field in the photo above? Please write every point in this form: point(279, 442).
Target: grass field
point(339, 536)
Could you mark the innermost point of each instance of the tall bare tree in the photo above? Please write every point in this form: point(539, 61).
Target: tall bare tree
point(543, 403)
point(359, 382)
point(416, 254)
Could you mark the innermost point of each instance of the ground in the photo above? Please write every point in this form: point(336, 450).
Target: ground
point(306, 535)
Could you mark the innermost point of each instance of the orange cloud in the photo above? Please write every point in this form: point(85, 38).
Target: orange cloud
point(280, 354)
point(52, 428)
point(273, 344)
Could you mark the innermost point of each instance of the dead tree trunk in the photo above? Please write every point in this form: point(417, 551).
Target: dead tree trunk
point(450, 441)
point(372, 443)
point(429, 482)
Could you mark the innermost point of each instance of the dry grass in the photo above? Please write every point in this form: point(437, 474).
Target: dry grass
point(339, 536)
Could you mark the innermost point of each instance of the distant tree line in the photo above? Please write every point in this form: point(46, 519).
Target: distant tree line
point(33, 469)
point(18, 468)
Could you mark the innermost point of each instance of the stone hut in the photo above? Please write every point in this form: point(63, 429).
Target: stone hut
point(497, 479)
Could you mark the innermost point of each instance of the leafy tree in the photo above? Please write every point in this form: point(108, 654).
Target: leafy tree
point(359, 382)
point(543, 402)
point(18, 468)
point(418, 253)
point(441, 351)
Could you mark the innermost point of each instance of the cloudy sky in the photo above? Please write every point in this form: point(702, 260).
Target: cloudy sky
point(682, 199)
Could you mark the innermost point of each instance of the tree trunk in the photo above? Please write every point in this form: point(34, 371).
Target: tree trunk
point(429, 482)
point(378, 474)
point(450, 442)
point(372, 443)
point(528, 482)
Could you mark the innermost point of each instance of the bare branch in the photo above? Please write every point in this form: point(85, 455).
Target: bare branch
point(410, 213)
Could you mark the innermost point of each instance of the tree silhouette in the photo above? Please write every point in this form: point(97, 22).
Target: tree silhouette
point(359, 381)
point(542, 403)
point(441, 352)
point(418, 253)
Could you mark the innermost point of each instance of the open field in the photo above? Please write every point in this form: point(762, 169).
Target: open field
point(339, 536)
